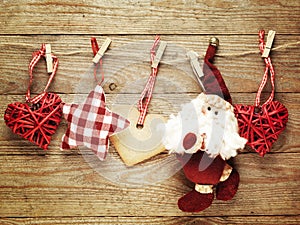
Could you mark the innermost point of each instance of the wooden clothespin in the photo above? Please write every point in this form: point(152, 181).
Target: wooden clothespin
point(195, 64)
point(49, 59)
point(159, 53)
point(193, 56)
point(270, 39)
point(102, 50)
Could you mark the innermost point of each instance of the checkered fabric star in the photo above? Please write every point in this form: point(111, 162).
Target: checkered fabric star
point(91, 124)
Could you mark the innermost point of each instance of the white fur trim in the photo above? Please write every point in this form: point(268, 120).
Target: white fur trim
point(208, 115)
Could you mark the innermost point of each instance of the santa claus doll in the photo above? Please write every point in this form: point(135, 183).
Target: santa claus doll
point(204, 135)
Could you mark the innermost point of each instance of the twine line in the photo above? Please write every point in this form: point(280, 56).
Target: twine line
point(280, 47)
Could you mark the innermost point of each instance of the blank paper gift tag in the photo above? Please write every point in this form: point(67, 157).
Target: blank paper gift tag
point(143, 139)
point(134, 144)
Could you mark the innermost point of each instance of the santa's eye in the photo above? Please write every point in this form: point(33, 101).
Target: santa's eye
point(208, 108)
point(216, 112)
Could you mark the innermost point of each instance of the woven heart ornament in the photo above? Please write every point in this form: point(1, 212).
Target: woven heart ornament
point(38, 118)
point(262, 124)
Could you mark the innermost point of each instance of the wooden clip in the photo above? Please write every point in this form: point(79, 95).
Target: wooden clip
point(159, 54)
point(102, 50)
point(193, 56)
point(49, 59)
point(270, 39)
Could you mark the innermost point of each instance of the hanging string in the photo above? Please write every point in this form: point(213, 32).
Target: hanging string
point(146, 95)
point(269, 69)
point(95, 48)
point(78, 52)
point(280, 47)
point(36, 56)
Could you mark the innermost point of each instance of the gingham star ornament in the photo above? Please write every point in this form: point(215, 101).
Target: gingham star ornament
point(91, 124)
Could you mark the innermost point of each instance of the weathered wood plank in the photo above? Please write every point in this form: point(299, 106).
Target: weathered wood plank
point(148, 16)
point(253, 220)
point(75, 56)
point(164, 104)
point(54, 187)
point(65, 185)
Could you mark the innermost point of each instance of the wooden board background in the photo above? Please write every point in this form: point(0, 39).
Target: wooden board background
point(55, 187)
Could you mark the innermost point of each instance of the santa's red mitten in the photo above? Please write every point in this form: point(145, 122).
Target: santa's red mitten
point(204, 134)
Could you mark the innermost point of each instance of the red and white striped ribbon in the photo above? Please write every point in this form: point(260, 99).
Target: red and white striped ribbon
point(269, 69)
point(36, 56)
point(146, 95)
point(95, 48)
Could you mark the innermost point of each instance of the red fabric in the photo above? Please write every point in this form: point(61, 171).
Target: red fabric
point(36, 56)
point(199, 167)
point(95, 46)
point(95, 49)
point(146, 95)
point(212, 79)
point(195, 201)
point(189, 140)
point(91, 124)
point(227, 189)
point(268, 70)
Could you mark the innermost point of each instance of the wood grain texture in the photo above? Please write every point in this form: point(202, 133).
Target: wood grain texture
point(252, 220)
point(148, 17)
point(65, 185)
point(75, 57)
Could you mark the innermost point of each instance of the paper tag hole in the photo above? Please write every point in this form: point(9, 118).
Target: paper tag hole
point(139, 126)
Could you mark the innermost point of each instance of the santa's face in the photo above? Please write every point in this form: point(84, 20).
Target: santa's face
point(208, 124)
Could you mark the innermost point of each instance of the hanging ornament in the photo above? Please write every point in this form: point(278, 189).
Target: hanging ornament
point(262, 124)
point(204, 134)
point(90, 123)
point(143, 139)
point(38, 118)
point(126, 82)
point(208, 122)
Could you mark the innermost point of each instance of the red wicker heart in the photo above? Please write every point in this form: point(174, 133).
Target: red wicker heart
point(38, 122)
point(261, 126)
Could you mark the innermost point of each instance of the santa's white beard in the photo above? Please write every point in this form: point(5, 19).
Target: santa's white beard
point(212, 120)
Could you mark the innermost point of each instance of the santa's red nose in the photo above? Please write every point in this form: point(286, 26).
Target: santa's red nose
point(189, 140)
